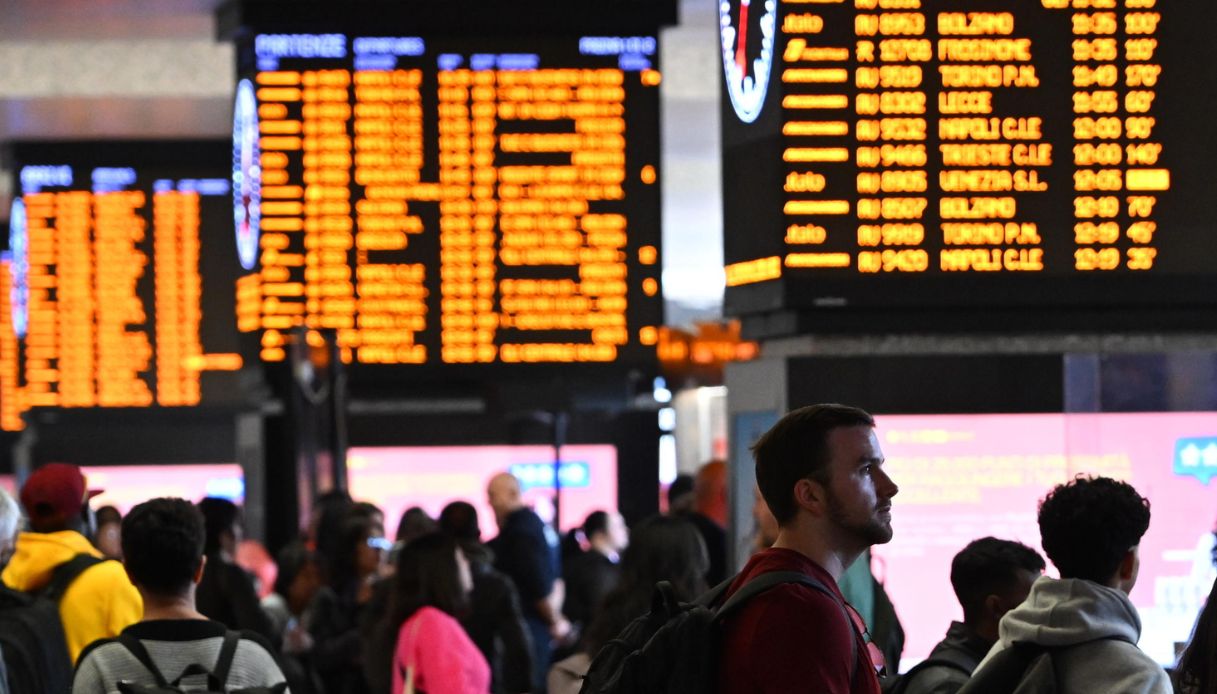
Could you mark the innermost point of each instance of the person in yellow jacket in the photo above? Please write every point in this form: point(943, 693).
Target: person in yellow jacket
point(101, 602)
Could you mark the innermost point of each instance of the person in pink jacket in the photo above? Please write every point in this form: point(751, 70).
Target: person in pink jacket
point(433, 652)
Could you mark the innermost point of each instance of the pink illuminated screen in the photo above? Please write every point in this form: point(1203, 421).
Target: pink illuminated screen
point(967, 476)
point(124, 486)
point(430, 477)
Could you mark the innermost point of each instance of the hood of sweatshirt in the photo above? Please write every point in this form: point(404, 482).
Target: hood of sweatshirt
point(1065, 612)
point(39, 553)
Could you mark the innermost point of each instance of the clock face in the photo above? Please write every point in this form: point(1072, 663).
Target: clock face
point(18, 242)
point(747, 29)
point(246, 175)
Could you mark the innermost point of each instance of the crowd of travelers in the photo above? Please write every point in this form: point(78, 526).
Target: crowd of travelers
point(161, 600)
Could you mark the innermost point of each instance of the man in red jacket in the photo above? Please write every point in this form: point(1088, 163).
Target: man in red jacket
point(820, 470)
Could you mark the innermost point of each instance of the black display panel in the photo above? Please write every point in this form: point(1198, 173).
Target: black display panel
point(938, 160)
point(447, 201)
point(121, 269)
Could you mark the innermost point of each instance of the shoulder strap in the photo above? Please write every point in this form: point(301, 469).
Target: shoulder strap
point(772, 579)
point(64, 574)
point(764, 582)
point(227, 653)
point(137, 649)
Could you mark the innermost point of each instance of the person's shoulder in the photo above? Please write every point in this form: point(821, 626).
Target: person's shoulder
point(100, 649)
point(254, 641)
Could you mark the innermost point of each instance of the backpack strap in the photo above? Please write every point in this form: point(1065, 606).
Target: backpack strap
point(227, 653)
point(137, 649)
point(772, 579)
point(64, 574)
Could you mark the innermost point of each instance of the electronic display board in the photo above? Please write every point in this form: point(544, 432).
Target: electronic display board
point(940, 154)
point(445, 200)
point(120, 290)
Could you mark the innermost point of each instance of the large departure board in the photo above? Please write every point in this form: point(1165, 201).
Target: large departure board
point(892, 154)
point(439, 200)
point(120, 282)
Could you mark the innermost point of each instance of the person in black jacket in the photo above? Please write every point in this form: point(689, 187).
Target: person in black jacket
point(592, 574)
point(495, 622)
point(226, 593)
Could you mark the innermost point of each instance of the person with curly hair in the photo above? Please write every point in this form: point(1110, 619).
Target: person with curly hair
point(1091, 528)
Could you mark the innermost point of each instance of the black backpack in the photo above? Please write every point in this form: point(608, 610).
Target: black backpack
point(897, 684)
point(31, 633)
point(675, 647)
point(216, 677)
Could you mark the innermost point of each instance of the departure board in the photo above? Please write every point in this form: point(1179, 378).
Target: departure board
point(121, 278)
point(438, 200)
point(891, 154)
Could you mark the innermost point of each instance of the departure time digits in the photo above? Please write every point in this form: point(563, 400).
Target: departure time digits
point(920, 139)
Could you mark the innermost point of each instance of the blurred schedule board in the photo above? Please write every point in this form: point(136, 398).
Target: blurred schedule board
point(885, 153)
point(450, 201)
point(120, 281)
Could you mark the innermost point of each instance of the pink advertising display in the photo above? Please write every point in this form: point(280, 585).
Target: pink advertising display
point(396, 478)
point(962, 477)
point(124, 486)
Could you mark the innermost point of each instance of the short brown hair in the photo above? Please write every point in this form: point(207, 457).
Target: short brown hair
point(797, 447)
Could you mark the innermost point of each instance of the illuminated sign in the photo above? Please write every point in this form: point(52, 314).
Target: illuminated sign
point(908, 153)
point(451, 201)
point(112, 300)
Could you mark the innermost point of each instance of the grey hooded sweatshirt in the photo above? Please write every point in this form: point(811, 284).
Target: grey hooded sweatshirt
point(1094, 628)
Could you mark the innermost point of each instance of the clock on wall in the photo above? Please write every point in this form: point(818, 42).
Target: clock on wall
point(246, 175)
point(747, 29)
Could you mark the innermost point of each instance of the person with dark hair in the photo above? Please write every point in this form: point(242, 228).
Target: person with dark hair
point(101, 601)
point(414, 523)
point(495, 620)
point(591, 575)
point(226, 593)
point(344, 605)
point(662, 548)
point(680, 494)
point(820, 470)
point(290, 609)
point(431, 652)
point(1091, 528)
point(109, 532)
point(1196, 672)
point(709, 515)
point(990, 578)
point(526, 549)
point(163, 554)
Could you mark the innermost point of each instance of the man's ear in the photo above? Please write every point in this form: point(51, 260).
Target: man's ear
point(1128, 566)
point(198, 573)
point(810, 495)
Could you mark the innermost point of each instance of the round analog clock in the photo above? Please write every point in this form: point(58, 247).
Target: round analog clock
point(18, 243)
point(246, 175)
point(747, 28)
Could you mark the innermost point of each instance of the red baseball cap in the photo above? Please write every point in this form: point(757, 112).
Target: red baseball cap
point(56, 489)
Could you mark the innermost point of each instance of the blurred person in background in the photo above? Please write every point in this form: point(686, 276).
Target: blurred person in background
point(431, 651)
point(526, 549)
point(10, 525)
point(109, 532)
point(414, 523)
point(290, 609)
point(345, 603)
point(495, 621)
point(591, 575)
point(324, 535)
point(226, 593)
point(990, 578)
point(662, 548)
point(255, 559)
point(680, 495)
point(101, 601)
point(163, 543)
point(709, 515)
point(1196, 672)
